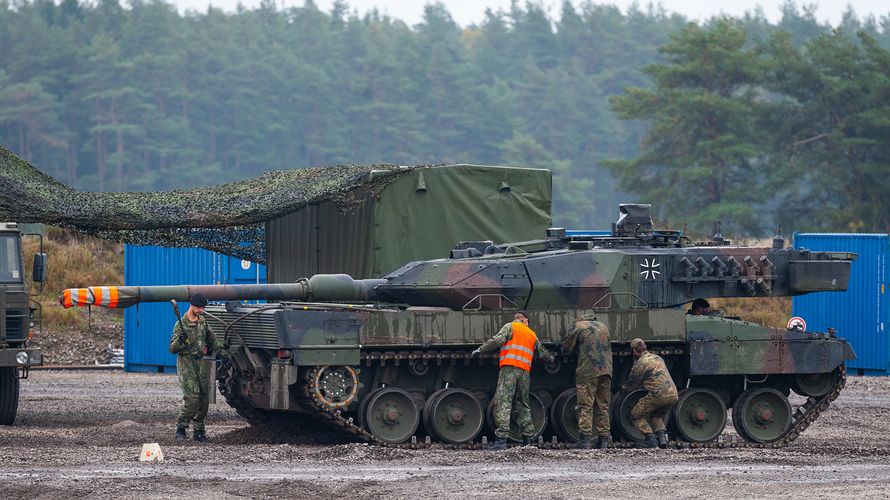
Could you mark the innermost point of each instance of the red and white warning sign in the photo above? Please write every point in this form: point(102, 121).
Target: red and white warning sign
point(797, 323)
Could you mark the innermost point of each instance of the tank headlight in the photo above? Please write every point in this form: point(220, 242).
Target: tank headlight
point(21, 357)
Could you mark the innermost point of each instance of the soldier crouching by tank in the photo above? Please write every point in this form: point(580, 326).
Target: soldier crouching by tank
point(192, 340)
point(593, 378)
point(650, 373)
point(518, 345)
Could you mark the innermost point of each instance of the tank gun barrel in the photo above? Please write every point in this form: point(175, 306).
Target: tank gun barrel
point(328, 287)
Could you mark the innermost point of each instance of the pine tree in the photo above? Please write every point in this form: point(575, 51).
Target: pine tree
point(698, 161)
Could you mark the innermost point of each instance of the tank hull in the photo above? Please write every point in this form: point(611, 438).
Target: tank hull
point(422, 351)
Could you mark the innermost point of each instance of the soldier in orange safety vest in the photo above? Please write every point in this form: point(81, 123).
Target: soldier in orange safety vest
point(518, 344)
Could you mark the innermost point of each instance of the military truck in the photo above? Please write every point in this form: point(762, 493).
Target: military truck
point(389, 360)
point(19, 316)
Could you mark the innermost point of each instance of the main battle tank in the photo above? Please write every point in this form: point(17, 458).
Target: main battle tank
point(388, 360)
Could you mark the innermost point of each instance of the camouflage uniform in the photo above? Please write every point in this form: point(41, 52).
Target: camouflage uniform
point(511, 396)
point(593, 376)
point(193, 370)
point(650, 373)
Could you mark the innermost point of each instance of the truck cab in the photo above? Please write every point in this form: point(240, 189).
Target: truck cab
point(19, 315)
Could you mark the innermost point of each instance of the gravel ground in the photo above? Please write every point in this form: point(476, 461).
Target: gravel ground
point(79, 434)
point(74, 346)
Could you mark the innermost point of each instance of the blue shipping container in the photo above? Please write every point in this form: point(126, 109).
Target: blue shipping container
point(861, 313)
point(147, 327)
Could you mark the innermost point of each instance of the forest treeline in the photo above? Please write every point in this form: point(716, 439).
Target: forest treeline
point(739, 120)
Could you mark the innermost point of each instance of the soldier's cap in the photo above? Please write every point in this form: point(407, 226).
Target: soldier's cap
point(198, 300)
point(637, 345)
point(702, 303)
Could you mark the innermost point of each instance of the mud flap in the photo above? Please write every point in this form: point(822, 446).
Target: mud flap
point(282, 375)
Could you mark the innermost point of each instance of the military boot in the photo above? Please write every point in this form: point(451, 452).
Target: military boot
point(199, 436)
point(662, 438)
point(602, 443)
point(499, 444)
point(649, 442)
point(180, 434)
point(583, 443)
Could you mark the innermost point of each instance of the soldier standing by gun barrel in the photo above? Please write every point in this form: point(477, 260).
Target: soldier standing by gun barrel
point(593, 378)
point(194, 344)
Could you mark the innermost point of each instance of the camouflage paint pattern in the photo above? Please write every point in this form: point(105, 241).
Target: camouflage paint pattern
point(594, 396)
point(589, 340)
point(558, 273)
point(511, 401)
point(193, 370)
point(723, 346)
point(649, 414)
point(511, 394)
point(650, 373)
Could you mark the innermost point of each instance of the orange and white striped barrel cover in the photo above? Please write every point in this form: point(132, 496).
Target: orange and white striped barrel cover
point(105, 296)
point(71, 297)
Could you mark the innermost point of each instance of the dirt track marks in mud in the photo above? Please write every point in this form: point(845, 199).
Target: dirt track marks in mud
point(79, 434)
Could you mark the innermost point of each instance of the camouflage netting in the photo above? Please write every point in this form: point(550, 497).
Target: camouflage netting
point(228, 218)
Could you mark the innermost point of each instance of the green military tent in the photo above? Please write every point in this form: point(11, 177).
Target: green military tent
point(420, 215)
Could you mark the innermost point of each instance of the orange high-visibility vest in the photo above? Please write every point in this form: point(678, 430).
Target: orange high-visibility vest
point(520, 350)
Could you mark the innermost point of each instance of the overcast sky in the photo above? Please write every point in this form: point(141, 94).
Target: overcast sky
point(471, 11)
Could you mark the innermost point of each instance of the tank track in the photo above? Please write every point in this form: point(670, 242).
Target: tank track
point(228, 383)
point(802, 418)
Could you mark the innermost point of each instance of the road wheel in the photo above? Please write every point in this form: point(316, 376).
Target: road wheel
point(814, 384)
point(762, 415)
point(564, 416)
point(539, 418)
point(391, 415)
point(621, 419)
point(700, 415)
point(453, 416)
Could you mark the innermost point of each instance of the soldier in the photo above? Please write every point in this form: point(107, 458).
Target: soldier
point(650, 373)
point(700, 307)
point(518, 344)
point(191, 346)
point(593, 378)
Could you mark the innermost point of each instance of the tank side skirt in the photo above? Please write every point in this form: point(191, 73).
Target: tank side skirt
point(719, 346)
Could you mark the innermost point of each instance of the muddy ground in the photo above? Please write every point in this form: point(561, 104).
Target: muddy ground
point(79, 434)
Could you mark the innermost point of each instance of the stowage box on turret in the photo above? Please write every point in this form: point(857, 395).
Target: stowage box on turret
point(395, 352)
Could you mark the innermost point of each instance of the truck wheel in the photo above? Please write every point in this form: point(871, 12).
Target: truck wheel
point(9, 395)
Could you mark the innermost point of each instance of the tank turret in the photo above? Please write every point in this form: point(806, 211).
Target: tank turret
point(635, 263)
